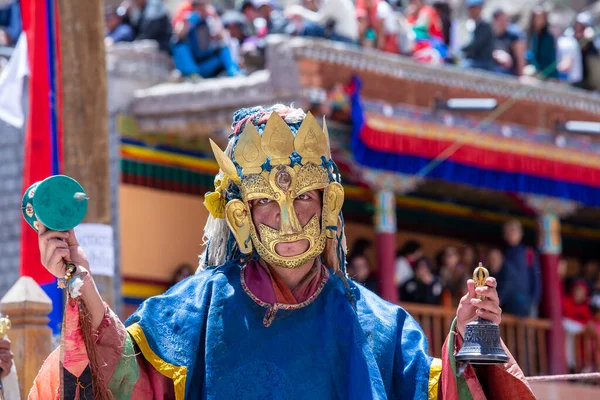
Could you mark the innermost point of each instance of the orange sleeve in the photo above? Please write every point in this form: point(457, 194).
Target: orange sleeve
point(46, 385)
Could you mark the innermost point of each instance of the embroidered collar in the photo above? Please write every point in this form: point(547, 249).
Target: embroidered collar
point(273, 307)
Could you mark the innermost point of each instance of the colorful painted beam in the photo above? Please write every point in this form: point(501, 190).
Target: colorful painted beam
point(484, 161)
point(165, 170)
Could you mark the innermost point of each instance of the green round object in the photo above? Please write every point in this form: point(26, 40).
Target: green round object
point(58, 202)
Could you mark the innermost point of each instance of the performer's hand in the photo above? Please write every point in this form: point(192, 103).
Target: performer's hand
point(470, 307)
point(59, 248)
point(6, 358)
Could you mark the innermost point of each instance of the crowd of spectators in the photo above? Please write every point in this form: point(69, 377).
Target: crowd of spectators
point(581, 311)
point(206, 41)
point(442, 280)
point(516, 267)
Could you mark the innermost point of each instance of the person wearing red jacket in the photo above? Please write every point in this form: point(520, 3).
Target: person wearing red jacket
point(577, 317)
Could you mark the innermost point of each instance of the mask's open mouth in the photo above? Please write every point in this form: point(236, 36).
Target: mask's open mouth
point(292, 249)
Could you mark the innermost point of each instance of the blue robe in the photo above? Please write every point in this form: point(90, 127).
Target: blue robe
point(208, 335)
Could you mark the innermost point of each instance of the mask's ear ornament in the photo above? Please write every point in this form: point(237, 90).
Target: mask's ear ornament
point(238, 220)
point(333, 198)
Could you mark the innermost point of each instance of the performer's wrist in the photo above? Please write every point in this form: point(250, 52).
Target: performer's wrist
point(93, 301)
point(460, 330)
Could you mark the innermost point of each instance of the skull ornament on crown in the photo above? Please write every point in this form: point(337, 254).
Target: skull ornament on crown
point(278, 166)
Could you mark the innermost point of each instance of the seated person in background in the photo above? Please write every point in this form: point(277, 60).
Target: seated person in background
point(150, 21)
point(595, 299)
point(590, 271)
point(504, 274)
point(419, 14)
point(370, 22)
point(116, 29)
point(568, 54)
point(237, 30)
point(251, 14)
point(10, 23)
point(10, 29)
point(452, 275)
point(479, 51)
point(523, 263)
point(509, 48)
point(469, 258)
point(359, 268)
point(577, 318)
point(200, 46)
point(429, 42)
point(424, 287)
point(335, 20)
point(541, 53)
point(182, 272)
point(393, 29)
point(276, 21)
point(590, 55)
point(406, 257)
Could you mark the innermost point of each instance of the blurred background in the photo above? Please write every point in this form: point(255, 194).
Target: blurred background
point(465, 131)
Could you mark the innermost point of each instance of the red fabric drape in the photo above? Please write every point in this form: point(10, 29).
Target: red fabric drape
point(480, 157)
point(37, 162)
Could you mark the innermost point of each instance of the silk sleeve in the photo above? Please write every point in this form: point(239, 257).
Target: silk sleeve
point(501, 381)
point(102, 363)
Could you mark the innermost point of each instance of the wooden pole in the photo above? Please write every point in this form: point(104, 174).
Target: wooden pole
point(84, 111)
point(28, 306)
point(552, 290)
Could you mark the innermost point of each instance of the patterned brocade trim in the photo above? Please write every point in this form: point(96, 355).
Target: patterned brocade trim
point(273, 308)
point(435, 372)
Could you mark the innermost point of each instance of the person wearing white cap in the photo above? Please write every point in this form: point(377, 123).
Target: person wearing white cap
point(335, 19)
point(479, 51)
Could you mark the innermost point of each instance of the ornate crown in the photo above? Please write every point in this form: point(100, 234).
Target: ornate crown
point(307, 153)
point(277, 144)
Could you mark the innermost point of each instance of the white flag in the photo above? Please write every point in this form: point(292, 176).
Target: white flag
point(11, 85)
point(11, 385)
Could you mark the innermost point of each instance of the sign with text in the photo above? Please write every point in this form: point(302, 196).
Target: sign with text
point(97, 241)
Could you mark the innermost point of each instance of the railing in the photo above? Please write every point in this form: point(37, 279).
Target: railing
point(524, 337)
point(587, 352)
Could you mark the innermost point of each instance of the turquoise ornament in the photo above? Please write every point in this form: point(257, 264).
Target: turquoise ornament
point(58, 202)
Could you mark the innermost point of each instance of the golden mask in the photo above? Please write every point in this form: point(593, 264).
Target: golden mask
point(282, 182)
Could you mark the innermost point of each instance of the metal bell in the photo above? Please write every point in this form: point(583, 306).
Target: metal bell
point(482, 344)
point(482, 337)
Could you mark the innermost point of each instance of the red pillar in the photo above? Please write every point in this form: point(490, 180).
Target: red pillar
point(552, 290)
point(385, 226)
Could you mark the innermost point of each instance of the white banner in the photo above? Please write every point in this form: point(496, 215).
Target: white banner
point(97, 242)
point(11, 85)
point(11, 385)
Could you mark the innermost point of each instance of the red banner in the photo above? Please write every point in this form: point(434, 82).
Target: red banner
point(42, 139)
